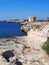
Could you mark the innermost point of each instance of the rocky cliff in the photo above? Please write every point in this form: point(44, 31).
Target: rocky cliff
point(27, 53)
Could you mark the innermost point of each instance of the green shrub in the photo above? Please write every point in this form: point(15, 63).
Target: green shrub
point(46, 46)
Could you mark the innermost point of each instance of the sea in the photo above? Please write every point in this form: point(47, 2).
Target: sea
point(10, 29)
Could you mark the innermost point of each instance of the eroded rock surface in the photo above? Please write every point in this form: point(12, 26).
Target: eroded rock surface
point(26, 53)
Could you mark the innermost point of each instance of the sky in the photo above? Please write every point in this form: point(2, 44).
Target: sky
point(23, 9)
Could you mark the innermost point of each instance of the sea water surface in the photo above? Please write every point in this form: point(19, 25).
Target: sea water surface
point(10, 29)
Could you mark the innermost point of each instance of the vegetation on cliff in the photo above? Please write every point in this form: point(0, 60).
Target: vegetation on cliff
point(46, 46)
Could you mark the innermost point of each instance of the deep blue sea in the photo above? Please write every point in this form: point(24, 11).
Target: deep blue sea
point(10, 29)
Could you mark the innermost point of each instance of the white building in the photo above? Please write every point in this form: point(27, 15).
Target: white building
point(32, 19)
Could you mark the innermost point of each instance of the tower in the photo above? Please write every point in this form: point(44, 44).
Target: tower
point(32, 19)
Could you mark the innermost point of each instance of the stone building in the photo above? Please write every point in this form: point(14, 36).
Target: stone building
point(32, 19)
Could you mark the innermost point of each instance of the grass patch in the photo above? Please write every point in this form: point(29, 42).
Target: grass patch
point(37, 26)
point(46, 46)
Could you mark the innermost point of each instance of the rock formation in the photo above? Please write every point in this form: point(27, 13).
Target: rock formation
point(27, 49)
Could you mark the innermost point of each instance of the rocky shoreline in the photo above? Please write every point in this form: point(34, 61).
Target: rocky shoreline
point(26, 54)
point(27, 49)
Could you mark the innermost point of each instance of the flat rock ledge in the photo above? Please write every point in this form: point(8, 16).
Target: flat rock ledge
point(27, 54)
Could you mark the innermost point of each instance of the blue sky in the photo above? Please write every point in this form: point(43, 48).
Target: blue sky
point(22, 9)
